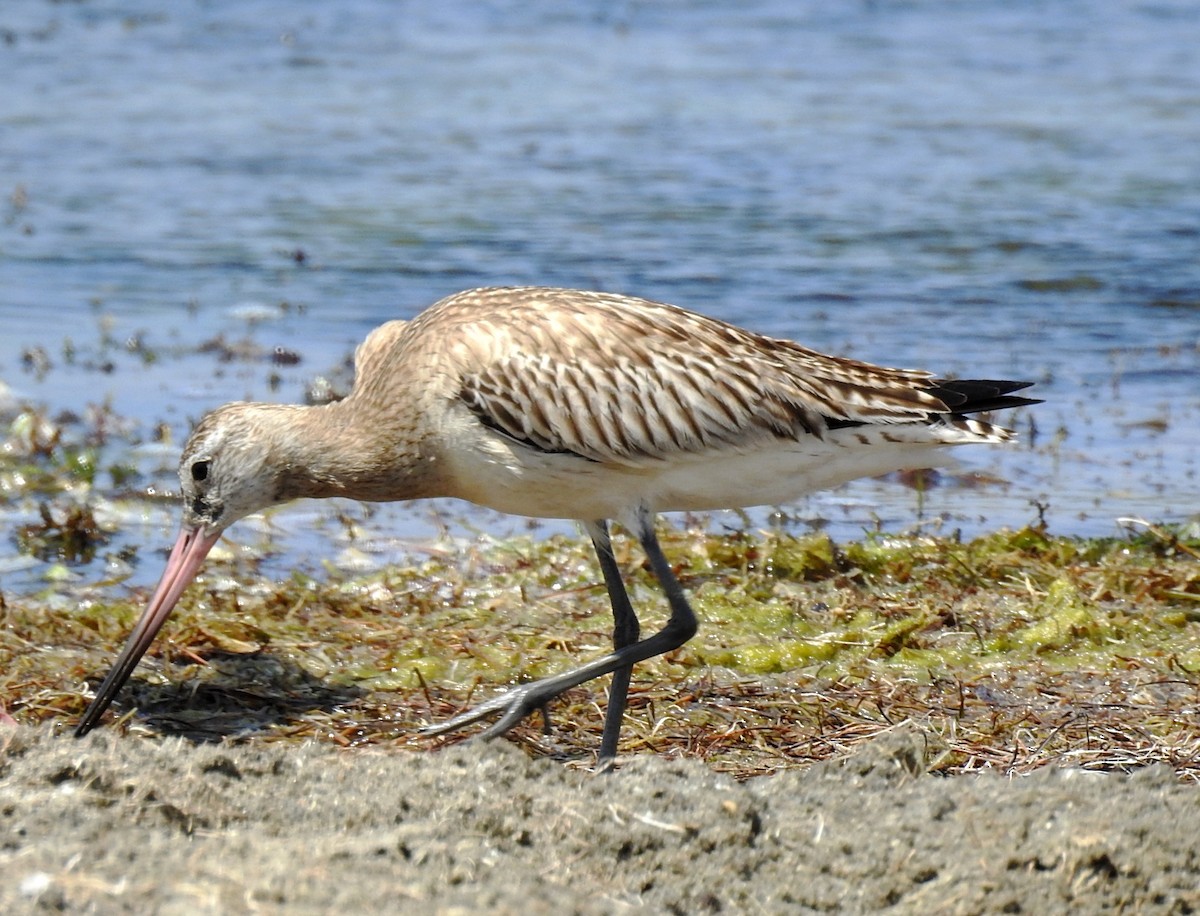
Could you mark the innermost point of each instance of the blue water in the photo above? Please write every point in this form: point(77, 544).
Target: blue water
point(987, 189)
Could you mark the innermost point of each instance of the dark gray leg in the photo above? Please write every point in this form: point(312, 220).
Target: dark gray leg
point(625, 633)
point(515, 704)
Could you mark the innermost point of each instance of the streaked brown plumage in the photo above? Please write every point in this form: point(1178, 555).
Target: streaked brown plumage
point(571, 404)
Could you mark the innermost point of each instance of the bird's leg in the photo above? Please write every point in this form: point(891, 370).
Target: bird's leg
point(625, 633)
point(513, 705)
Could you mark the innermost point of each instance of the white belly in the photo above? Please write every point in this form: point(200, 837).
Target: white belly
point(493, 471)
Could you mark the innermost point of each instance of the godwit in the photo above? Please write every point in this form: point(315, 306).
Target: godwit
point(559, 403)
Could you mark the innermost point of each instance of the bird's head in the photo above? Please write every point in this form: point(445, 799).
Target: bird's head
point(226, 471)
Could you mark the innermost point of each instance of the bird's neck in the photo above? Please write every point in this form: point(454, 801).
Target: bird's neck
point(342, 449)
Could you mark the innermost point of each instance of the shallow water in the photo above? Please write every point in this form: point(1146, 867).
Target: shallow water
point(981, 189)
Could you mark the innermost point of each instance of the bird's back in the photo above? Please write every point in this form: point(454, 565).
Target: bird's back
point(615, 378)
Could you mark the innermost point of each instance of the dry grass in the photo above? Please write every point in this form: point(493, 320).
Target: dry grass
point(1013, 651)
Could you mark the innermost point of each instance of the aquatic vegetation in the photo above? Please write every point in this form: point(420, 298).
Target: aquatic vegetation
point(1012, 651)
point(67, 533)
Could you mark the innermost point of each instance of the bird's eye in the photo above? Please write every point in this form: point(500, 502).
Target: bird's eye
point(200, 470)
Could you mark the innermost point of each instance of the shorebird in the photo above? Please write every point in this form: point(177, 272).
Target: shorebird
point(559, 403)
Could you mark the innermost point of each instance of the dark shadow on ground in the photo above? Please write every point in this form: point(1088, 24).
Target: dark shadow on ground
point(236, 695)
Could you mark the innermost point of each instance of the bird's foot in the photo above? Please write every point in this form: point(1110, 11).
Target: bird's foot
point(512, 705)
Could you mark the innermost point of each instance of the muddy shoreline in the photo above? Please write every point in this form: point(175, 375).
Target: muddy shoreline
point(118, 823)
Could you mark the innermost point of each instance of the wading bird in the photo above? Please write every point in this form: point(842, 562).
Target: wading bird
point(560, 403)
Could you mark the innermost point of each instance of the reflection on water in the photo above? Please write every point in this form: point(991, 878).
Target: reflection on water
point(984, 189)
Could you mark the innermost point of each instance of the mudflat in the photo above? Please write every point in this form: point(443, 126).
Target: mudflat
point(121, 823)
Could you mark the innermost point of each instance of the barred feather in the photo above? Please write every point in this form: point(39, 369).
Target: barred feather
point(620, 380)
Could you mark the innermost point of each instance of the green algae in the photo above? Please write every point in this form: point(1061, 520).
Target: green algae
point(800, 638)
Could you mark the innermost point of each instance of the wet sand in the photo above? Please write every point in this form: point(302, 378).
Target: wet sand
point(119, 823)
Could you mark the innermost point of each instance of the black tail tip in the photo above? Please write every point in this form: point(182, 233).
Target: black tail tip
point(963, 396)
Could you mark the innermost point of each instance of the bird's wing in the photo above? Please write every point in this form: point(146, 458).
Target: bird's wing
point(615, 379)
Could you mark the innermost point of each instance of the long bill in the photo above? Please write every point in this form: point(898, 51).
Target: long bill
point(188, 553)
